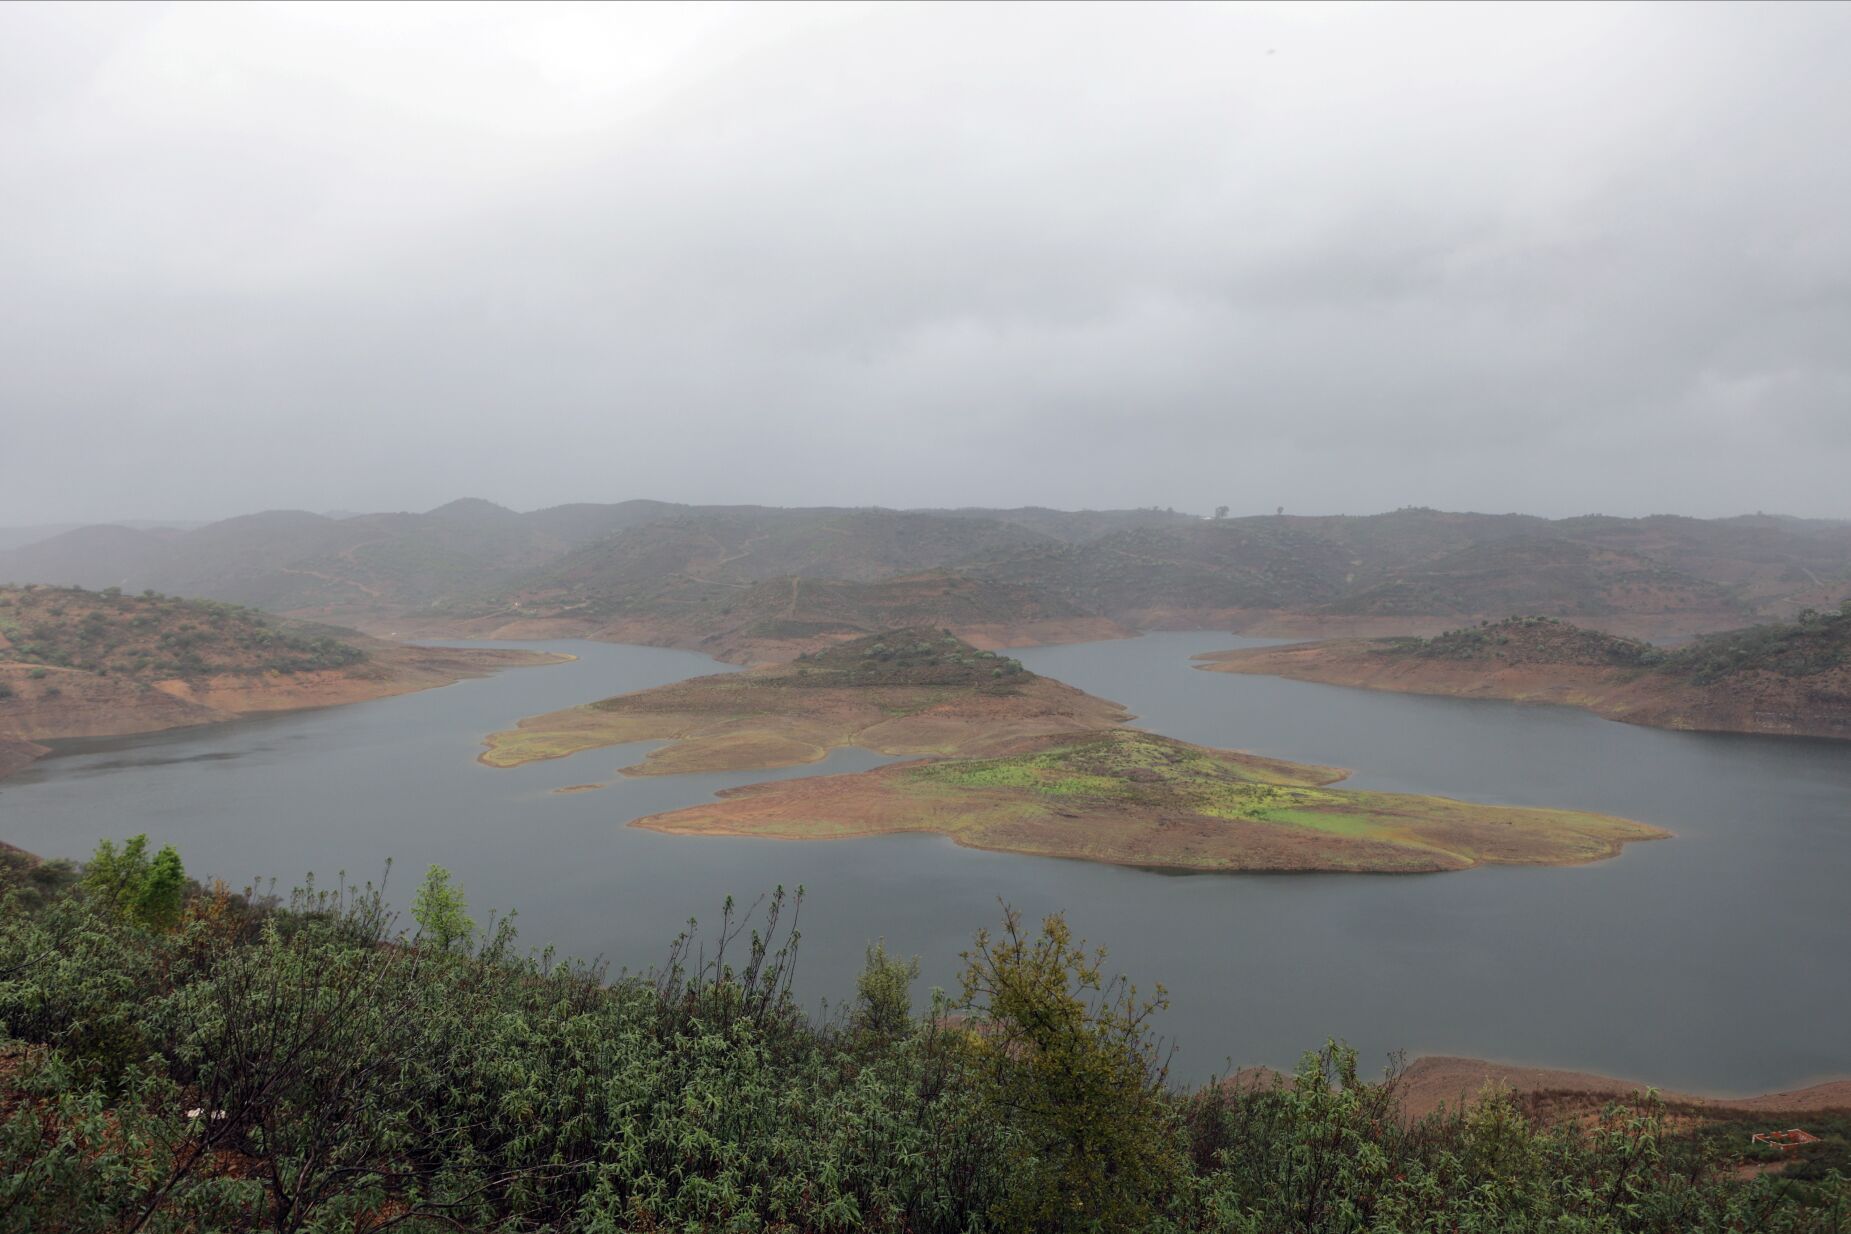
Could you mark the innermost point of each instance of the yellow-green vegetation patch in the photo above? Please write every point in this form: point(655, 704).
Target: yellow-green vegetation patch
point(1148, 770)
point(1135, 798)
point(511, 749)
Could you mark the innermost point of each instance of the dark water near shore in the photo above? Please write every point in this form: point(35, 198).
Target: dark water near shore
point(1719, 961)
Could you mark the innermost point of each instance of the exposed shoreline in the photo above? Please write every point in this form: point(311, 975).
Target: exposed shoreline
point(90, 706)
point(1136, 799)
point(1016, 762)
point(1431, 1082)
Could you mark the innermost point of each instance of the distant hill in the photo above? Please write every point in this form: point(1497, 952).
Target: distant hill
point(1789, 678)
point(1074, 525)
point(1150, 574)
point(734, 548)
point(295, 561)
point(777, 618)
point(701, 575)
point(1549, 575)
point(20, 537)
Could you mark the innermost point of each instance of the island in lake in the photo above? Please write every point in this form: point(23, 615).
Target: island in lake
point(77, 663)
point(1784, 678)
point(1017, 762)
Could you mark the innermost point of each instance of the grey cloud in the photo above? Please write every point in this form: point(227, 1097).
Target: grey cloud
point(1539, 258)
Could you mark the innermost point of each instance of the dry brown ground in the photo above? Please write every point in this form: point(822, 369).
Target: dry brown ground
point(1224, 812)
point(736, 722)
point(1442, 1080)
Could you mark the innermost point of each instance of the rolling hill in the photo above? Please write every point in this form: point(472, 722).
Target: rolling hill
point(77, 663)
point(1787, 678)
point(722, 577)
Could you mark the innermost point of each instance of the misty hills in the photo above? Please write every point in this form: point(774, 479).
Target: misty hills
point(700, 574)
point(291, 560)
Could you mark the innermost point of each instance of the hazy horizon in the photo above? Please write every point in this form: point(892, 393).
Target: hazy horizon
point(1551, 259)
point(155, 523)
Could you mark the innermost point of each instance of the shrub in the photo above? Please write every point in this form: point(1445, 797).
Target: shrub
point(441, 911)
point(883, 993)
point(296, 1067)
point(150, 891)
point(1068, 1058)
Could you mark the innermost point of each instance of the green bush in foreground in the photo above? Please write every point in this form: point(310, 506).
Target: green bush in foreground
point(441, 911)
point(249, 1064)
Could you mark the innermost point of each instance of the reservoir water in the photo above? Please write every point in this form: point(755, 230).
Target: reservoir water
point(1717, 961)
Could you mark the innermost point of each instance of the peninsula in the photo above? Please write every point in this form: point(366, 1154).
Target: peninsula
point(1784, 678)
point(1021, 763)
point(77, 663)
point(914, 691)
point(1133, 798)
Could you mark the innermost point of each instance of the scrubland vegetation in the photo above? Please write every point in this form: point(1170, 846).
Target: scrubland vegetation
point(150, 636)
point(182, 1058)
point(1786, 677)
point(1814, 642)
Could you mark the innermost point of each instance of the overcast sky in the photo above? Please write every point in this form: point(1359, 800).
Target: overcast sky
point(1550, 259)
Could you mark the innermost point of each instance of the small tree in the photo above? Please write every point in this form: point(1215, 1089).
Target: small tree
point(149, 891)
point(883, 993)
point(162, 893)
point(1221, 512)
point(1067, 1058)
point(441, 911)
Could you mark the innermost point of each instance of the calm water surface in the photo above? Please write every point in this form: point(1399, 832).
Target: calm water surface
point(1720, 960)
